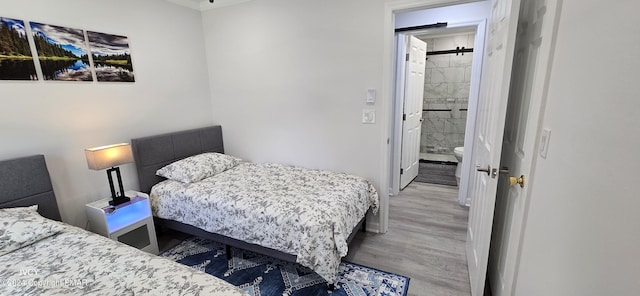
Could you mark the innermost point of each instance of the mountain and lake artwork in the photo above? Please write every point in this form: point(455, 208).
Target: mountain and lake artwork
point(16, 60)
point(111, 57)
point(62, 52)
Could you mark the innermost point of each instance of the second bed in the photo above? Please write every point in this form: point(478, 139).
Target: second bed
point(292, 213)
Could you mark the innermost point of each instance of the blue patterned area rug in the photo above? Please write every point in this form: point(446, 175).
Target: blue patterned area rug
point(266, 276)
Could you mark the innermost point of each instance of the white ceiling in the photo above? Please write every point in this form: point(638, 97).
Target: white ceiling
point(203, 5)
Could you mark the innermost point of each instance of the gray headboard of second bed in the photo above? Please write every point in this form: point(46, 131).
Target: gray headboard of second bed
point(153, 152)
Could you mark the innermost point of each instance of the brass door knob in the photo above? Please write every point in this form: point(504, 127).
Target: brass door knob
point(514, 181)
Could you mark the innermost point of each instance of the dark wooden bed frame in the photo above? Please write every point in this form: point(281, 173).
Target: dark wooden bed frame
point(154, 152)
point(24, 182)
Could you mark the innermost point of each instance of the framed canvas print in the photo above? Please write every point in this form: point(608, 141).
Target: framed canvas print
point(16, 60)
point(111, 57)
point(62, 52)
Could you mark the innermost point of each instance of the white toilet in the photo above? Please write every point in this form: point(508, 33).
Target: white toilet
point(458, 152)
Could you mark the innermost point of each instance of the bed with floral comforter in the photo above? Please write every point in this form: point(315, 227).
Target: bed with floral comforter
point(298, 211)
point(39, 256)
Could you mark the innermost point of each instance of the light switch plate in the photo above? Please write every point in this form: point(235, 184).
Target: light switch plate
point(371, 96)
point(368, 116)
point(544, 142)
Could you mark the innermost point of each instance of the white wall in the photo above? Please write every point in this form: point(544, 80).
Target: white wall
point(289, 79)
point(60, 119)
point(299, 71)
point(582, 229)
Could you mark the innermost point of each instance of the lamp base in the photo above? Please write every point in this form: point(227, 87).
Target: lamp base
point(118, 200)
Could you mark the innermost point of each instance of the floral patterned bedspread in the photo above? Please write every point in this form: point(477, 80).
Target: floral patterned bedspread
point(77, 262)
point(307, 213)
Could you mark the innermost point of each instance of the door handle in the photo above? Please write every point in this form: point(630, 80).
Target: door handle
point(487, 170)
point(492, 172)
point(514, 181)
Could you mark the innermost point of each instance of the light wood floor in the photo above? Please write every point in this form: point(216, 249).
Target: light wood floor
point(425, 241)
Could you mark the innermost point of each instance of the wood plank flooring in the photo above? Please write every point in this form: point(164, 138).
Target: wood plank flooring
point(425, 241)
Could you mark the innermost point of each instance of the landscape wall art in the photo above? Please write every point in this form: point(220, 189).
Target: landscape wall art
point(16, 60)
point(62, 52)
point(111, 57)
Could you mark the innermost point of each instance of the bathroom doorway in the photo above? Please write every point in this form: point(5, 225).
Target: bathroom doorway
point(456, 20)
point(449, 103)
point(447, 84)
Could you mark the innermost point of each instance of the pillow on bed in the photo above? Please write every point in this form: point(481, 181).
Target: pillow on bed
point(20, 227)
point(198, 167)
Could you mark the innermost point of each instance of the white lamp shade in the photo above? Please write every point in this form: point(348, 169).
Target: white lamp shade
point(100, 158)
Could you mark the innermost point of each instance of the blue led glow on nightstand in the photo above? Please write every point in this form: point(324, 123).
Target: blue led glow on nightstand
point(128, 213)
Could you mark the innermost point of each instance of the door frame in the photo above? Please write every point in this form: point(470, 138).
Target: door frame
point(387, 91)
point(399, 42)
point(464, 197)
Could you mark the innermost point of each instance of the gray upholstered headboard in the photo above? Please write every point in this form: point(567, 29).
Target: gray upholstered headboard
point(24, 182)
point(153, 152)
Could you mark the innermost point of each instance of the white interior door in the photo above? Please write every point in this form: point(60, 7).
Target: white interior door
point(520, 145)
point(412, 117)
point(494, 93)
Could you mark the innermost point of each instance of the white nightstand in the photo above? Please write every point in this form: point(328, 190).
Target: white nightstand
point(130, 223)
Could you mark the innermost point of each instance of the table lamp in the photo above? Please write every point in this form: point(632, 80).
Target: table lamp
point(111, 156)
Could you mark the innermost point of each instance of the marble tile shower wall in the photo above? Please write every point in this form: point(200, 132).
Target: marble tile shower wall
point(446, 87)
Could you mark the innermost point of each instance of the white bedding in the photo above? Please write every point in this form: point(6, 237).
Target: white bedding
point(77, 262)
point(307, 213)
